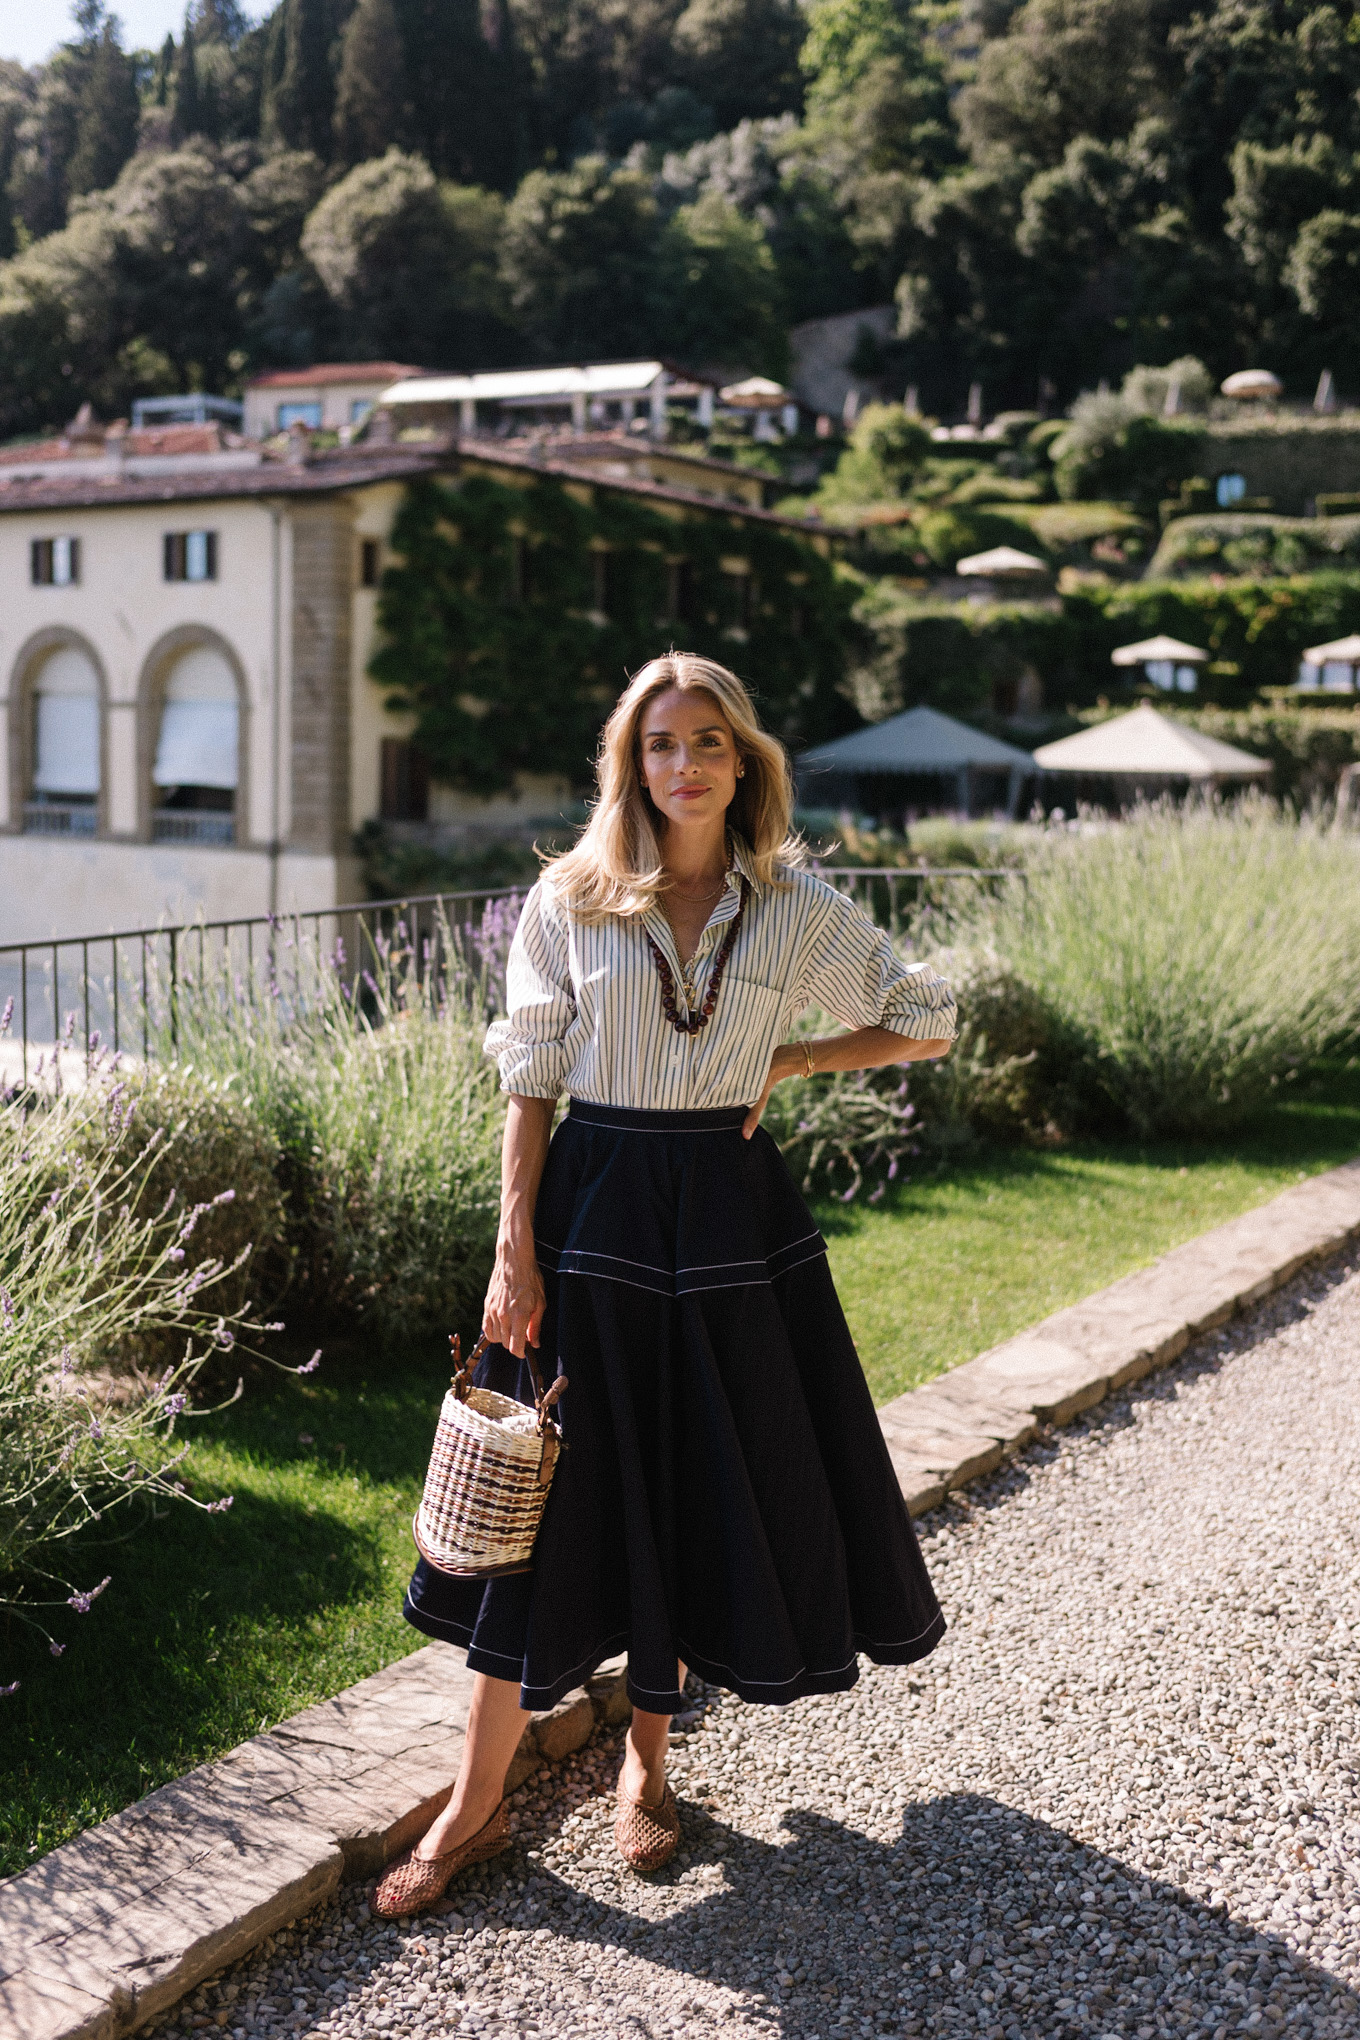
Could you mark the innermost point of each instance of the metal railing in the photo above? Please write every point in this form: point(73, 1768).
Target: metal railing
point(900, 897)
point(192, 825)
point(60, 818)
point(121, 989)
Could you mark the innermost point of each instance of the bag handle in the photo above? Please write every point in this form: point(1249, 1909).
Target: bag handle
point(544, 1401)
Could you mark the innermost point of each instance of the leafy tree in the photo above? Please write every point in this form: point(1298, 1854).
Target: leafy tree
point(409, 265)
point(886, 453)
point(369, 94)
point(183, 260)
point(1323, 272)
point(44, 143)
point(577, 260)
point(61, 322)
point(741, 56)
point(1111, 451)
point(716, 296)
point(1051, 78)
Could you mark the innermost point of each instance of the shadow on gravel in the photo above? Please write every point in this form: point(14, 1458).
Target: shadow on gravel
point(908, 1937)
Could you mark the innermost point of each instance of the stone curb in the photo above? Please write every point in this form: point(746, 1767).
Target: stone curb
point(964, 1423)
point(126, 1920)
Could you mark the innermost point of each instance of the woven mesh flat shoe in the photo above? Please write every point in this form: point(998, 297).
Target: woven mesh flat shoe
point(646, 1836)
point(412, 1884)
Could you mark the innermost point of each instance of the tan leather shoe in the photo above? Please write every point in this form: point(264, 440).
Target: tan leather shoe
point(646, 1836)
point(414, 1883)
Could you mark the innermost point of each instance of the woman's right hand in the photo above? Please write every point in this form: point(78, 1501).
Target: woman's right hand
point(515, 1299)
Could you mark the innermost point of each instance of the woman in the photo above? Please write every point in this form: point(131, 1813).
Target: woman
point(726, 1501)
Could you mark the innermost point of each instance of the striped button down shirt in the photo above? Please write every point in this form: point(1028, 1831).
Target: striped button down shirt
point(584, 1010)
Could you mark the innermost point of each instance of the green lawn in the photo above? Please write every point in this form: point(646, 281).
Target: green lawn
point(217, 1627)
point(950, 1263)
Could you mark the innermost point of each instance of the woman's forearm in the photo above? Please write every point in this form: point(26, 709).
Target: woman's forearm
point(524, 1150)
point(866, 1048)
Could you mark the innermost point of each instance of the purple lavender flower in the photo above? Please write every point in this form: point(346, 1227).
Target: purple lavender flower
point(174, 1404)
point(82, 1602)
point(5, 1691)
point(310, 1366)
point(96, 1428)
point(5, 1019)
point(6, 1310)
point(57, 1649)
point(220, 1508)
point(227, 1196)
point(892, 1168)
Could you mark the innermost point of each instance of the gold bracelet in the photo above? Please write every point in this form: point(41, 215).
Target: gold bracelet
point(811, 1068)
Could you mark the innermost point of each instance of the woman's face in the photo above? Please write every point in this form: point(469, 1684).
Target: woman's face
point(688, 757)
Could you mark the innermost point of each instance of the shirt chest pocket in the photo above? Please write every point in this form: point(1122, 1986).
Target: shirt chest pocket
point(734, 1049)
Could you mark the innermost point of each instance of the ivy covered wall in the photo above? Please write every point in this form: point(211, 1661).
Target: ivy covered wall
point(518, 608)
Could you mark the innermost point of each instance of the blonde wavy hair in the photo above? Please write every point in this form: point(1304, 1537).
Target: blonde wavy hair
point(615, 867)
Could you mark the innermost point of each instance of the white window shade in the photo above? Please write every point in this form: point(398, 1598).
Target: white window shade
point(66, 759)
point(199, 724)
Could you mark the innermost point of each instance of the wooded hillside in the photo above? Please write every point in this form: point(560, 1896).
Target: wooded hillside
point(1050, 192)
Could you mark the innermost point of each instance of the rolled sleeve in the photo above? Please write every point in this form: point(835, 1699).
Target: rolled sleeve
point(530, 1043)
point(858, 976)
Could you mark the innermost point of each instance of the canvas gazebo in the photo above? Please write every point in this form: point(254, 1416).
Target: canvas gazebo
point(921, 744)
point(1331, 667)
point(1144, 753)
point(1168, 662)
point(1004, 563)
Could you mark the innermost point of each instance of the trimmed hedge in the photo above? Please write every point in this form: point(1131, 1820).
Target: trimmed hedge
point(1253, 543)
point(956, 657)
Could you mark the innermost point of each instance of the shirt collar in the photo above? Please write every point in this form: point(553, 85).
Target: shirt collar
point(742, 866)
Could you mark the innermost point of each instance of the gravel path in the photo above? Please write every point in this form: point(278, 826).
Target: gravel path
point(1121, 1799)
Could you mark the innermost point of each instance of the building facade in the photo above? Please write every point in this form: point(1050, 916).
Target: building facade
point(334, 396)
point(187, 722)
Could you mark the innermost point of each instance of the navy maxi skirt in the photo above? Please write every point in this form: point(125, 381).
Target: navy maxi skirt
point(726, 1496)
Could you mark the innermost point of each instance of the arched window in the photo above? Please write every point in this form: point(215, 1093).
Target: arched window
point(195, 772)
point(64, 797)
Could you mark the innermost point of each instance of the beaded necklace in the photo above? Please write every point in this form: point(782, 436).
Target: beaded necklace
point(690, 1023)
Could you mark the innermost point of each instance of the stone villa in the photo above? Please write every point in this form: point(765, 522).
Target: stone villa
point(188, 723)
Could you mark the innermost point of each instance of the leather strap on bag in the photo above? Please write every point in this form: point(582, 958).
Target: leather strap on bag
point(544, 1401)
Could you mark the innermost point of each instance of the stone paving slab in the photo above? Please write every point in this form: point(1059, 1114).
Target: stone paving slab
point(125, 1920)
point(115, 1926)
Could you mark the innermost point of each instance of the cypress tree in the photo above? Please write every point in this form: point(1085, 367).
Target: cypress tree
point(188, 112)
point(368, 97)
point(165, 70)
point(106, 133)
point(300, 92)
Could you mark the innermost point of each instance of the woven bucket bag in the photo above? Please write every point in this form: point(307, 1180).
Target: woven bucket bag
point(489, 1475)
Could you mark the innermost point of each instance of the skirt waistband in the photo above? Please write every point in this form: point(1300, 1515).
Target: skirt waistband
point(623, 1119)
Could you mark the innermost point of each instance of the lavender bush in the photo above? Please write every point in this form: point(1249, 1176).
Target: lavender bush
point(1191, 958)
point(85, 1267)
point(369, 1075)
